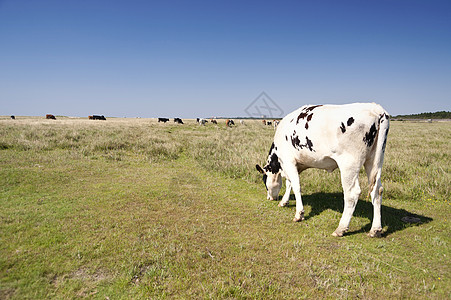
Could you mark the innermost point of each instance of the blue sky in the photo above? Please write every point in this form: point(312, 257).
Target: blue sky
point(213, 58)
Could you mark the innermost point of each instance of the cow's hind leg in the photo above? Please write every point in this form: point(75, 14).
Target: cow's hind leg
point(351, 191)
point(374, 180)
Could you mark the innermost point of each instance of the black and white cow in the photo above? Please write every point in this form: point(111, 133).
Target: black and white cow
point(202, 121)
point(178, 121)
point(326, 137)
point(164, 120)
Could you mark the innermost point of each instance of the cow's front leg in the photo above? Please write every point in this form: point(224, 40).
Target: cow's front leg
point(286, 196)
point(293, 176)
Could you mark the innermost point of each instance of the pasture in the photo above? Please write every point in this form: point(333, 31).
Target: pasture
point(133, 208)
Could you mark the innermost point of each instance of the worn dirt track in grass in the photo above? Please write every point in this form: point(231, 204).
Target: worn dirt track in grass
point(121, 221)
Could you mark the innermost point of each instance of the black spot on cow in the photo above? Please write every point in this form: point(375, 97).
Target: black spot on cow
point(310, 108)
point(273, 160)
point(305, 113)
point(270, 149)
point(385, 140)
point(342, 127)
point(302, 115)
point(297, 143)
point(383, 117)
point(350, 121)
point(370, 135)
point(309, 117)
point(274, 165)
point(286, 138)
point(309, 144)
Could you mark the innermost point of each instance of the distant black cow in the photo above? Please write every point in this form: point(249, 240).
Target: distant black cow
point(96, 117)
point(230, 123)
point(49, 116)
point(178, 120)
point(13, 117)
point(164, 120)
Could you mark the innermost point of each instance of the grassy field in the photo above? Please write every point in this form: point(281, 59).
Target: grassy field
point(132, 208)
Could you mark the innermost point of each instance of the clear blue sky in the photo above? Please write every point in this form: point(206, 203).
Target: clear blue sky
point(213, 58)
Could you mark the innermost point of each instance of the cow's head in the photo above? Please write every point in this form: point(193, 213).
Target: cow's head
point(272, 177)
point(272, 181)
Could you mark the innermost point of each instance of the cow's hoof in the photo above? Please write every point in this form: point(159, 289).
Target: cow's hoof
point(375, 233)
point(281, 204)
point(301, 218)
point(339, 232)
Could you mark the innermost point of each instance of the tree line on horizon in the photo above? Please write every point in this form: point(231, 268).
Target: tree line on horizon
point(427, 115)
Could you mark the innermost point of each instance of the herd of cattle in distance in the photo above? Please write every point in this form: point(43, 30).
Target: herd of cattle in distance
point(52, 117)
point(200, 121)
point(229, 122)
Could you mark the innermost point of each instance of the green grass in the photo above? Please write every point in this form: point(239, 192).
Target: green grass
point(131, 209)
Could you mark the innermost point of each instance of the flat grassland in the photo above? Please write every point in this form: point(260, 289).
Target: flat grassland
point(132, 208)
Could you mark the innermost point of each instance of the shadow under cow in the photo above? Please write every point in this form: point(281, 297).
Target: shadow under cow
point(394, 219)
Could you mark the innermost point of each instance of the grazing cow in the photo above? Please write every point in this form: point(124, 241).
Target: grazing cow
point(164, 120)
point(326, 137)
point(213, 121)
point(269, 123)
point(97, 117)
point(276, 123)
point(264, 122)
point(242, 122)
point(178, 121)
point(50, 116)
point(13, 117)
point(202, 121)
point(229, 123)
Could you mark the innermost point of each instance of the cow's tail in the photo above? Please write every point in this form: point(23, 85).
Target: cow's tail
point(378, 160)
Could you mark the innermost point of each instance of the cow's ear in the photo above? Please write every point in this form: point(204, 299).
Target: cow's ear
point(259, 169)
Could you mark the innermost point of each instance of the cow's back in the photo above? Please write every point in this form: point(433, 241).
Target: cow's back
point(313, 134)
